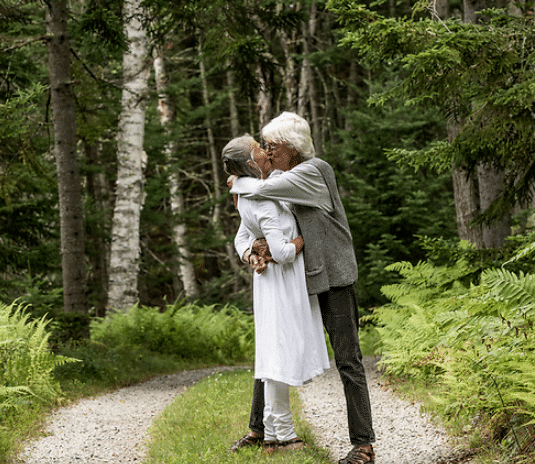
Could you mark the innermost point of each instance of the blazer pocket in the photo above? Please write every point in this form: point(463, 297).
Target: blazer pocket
point(314, 272)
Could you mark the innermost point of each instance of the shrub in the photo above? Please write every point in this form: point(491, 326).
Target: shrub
point(204, 333)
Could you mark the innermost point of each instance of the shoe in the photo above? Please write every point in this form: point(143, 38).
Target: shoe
point(359, 455)
point(270, 447)
point(245, 442)
point(294, 444)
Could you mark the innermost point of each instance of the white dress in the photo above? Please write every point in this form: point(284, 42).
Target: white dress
point(289, 338)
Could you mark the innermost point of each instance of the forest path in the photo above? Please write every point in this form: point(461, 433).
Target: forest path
point(403, 434)
point(113, 428)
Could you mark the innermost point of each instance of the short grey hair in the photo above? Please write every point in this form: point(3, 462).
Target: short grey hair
point(235, 155)
point(292, 130)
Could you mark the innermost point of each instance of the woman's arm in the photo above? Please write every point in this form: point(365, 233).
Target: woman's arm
point(282, 250)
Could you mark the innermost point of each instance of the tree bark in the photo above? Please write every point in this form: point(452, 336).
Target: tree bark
point(264, 107)
point(99, 257)
point(490, 182)
point(67, 165)
point(216, 169)
point(466, 196)
point(167, 113)
point(489, 178)
point(288, 78)
point(129, 195)
point(312, 92)
point(234, 119)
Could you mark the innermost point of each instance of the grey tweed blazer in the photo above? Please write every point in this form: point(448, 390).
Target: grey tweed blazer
point(329, 255)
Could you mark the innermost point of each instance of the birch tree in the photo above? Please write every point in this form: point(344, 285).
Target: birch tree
point(69, 187)
point(129, 194)
point(167, 112)
point(216, 169)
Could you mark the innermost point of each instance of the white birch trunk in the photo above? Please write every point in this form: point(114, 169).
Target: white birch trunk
point(214, 158)
point(234, 120)
point(290, 85)
point(264, 106)
point(129, 194)
point(166, 110)
point(313, 101)
point(215, 162)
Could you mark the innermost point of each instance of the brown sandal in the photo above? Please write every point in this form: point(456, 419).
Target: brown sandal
point(270, 447)
point(359, 455)
point(295, 443)
point(245, 442)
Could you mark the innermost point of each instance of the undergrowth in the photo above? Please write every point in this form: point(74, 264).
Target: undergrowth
point(469, 332)
point(124, 349)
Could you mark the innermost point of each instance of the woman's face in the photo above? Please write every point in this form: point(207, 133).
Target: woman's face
point(261, 159)
point(282, 156)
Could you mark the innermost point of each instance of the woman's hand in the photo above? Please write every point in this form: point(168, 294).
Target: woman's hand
point(257, 263)
point(261, 248)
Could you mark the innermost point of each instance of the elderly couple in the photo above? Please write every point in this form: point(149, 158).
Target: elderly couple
point(288, 202)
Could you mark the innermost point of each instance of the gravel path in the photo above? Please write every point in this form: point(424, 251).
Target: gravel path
point(113, 428)
point(403, 434)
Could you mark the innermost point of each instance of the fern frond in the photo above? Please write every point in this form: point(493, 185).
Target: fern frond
point(523, 253)
point(517, 288)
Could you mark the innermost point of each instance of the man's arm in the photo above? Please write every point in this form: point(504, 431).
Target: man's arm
point(302, 185)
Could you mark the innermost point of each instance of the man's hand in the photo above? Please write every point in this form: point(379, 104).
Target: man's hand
point(261, 248)
point(299, 244)
point(230, 181)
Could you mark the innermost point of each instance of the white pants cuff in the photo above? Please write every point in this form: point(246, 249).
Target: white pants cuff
point(278, 424)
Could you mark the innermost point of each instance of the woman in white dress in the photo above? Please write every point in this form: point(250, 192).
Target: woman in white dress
point(289, 338)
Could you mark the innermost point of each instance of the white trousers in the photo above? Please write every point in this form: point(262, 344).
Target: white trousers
point(278, 424)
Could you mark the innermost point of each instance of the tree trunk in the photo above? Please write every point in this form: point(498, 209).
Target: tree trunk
point(216, 169)
point(98, 192)
point(129, 195)
point(304, 79)
point(68, 171)
point(313, 100)
point(489, 179)
point(264, 107)
point(240, 272)
point(167, 113)
point(490, 187)
point(234, 119)
point(466, 197)
point(215, 161)
point(288, 78)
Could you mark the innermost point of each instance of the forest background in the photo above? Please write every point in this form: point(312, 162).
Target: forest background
point(113, 198)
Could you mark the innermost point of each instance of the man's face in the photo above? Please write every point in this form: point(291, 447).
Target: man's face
point(281, 156)
point(261, 159)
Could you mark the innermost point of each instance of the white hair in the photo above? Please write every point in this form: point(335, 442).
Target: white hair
point(292, 130)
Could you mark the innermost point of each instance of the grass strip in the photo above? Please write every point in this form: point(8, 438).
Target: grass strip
point(204, 421)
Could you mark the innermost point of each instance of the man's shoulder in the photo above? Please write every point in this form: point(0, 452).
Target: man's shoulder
point(313, 164)
point(321, 165)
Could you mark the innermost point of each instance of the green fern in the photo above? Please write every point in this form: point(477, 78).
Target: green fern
point(26, 361)
point(212, 333)
point(516, 288)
